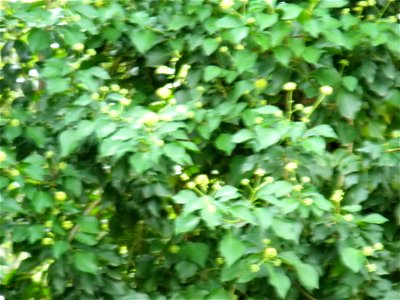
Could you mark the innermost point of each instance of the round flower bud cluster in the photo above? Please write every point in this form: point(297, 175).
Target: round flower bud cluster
point(326, 90)
point(368, 251)
point(150, 119)
point(270, 253)
point(254, 268)
point(3, 156)
point(308, 201)
point(67, 224)
point(15, 123)
point(78, 47)
point(13, 186)
point(258, 120)
point(245, 181)
point(60, 196)
point(305, 179)
point(47, 241)
point(164, 92)
point(259, 172)
point(123, 250)
point(337, 196)
point(289, 86)
point(371, 268)
point(226, 4)
point(223, 49)
point(260, 84)
point(297, 187)
point(377, 246)
point(269, 179)
point(291, 166)
point(202, 180)
point(174, 249)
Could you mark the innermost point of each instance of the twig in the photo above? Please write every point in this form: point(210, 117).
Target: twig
point(304, 292)
point(87, 211)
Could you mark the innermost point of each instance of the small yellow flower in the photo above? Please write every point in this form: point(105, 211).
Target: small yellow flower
point(254, 268)
point(190, 114)
point(124, 92)
point(174, 249)
point(326, 90)
point(78, 47)
point(123, 250)
point(266, 241)
point(291, 166)
point(159, 143)
point(297, 187)
point(150, 118)
point(298, 106)
point(62, 165)
point(278, 114)
point(198, 104)
point(260, 84)
point(269, 179)
point(245, 181)
point(14, 172)
point(104, 89)
point(250, 20)
point(95, 96)
point(289, 86)
point(308, 201)
point(67, 224)
point(91, 52)
point(305, 179)
point(239, 47)
point(219, 260)
point(378, 246)
point(259, 172)
point(223, 49)
point(47, 241)
point(277, 262)
point(211, 208)
point(258, 120)
point(164, 92)
point(201, 180)
point(226, 4)
point(270, 253)
point(13, 186)
point(115, 87)
point(125, 101)
point(3, 156)
point(368, 251)
point(200, 89)
point(371, 268)
point(190, 185)
point(337, 196)
point(184, 177)
point(48, 224)
point(15, 123)
point(348, 217)
point(60, 196)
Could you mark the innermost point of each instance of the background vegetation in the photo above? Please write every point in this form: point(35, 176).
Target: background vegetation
point(200, 149)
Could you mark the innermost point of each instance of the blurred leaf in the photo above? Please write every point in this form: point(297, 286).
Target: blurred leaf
point(231, 249)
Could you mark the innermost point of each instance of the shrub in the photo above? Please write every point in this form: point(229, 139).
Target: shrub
point(200, 149)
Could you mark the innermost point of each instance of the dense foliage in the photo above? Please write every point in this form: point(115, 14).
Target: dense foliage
point(200, 149)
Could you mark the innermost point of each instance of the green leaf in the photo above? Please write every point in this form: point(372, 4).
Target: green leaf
point(209, 46)
point(312, 55)
point(279, 281)
point(314, 144)
point(36, 232)
point(73, 185)
point(224, 143)
point(41, 201)
point(350, 82)
point(266, 137)
point(349, 104)
point(283, 55)
point(141, 162)
point(231, 249)
point(374, 219)
point(244, 60)
point(242, 135)
point(89, 224)
point(321, 130)
point(266, 20)
point(290, 11)
point(86, 262)
point(69, 141)
point(352, 258)
point(186, 269)
point(38, 39)
point(287, 230)
point(277, 188)
point(220, 294)
point(59, 248)
point(177, 153)
point(196, 252)
point(308, 276)
point(229, 22)
point(143, 39)
point(185, 223)
point(185, 196)
point(211, 72)
point(37, 134)
point(57, 85)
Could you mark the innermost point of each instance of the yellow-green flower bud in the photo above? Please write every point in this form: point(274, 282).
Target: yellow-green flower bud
point(289, 86)
point(60, 196)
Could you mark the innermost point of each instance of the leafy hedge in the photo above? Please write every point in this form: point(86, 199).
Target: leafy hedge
point(200, 149)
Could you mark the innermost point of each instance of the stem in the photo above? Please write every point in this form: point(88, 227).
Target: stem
point(304, 292)
point(316, 104)
point(392, 150)
point(385, 8)
point(289, 103)
point(87, 211)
